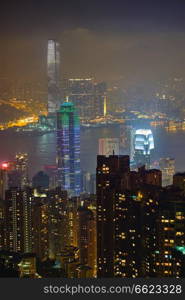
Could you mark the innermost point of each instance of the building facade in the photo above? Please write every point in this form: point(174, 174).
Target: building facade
point(68, 149)
point(143, 147)
point(53, 70)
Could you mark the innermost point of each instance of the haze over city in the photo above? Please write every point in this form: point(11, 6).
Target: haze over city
point(132, 40)
point(92, 134)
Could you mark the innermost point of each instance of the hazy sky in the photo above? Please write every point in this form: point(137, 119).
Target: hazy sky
point(107, 39)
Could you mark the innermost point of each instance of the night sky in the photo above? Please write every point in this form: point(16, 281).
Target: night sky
point(135, 40)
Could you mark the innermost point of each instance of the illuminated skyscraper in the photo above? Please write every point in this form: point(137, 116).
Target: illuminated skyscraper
point(68, 149)
point(86, 233)
point(143, 146)
point(109, 174)
point(53, 67)
point(18, 220)
point(5, 168)
point(18, 172)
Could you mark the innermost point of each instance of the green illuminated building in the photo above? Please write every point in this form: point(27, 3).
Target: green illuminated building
point(68, 149)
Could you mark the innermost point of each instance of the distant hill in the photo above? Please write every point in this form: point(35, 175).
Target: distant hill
point(9, 113)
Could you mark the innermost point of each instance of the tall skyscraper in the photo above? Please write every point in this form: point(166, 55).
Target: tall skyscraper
point(86, 237)
point(108, 179)
point(143, 146)
point(21, 166)
point(68, 149)
point(53, 67)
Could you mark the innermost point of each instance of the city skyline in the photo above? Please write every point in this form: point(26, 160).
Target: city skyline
point(92, 132)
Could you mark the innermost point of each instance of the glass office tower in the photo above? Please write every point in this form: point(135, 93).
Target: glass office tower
point(68, 149)
point(53, 70)
point(143, 147)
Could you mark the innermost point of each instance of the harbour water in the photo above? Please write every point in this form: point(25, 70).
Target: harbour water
point(42, 149)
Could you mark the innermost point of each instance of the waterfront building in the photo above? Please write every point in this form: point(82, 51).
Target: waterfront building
point(143, 147)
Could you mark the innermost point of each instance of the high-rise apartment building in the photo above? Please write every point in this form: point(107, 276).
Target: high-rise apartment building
point(68, 149)
point(58, 221)
point(127, 205)
point(86, 238)
point(53, 69)
point(108, 180)
point(40, 226)
point(5, 169)
point(2, 229)
point(18, 220)
point(21, 165)
point(167, 166)
point(3, 183)
point(179, 180)
point(171, 232)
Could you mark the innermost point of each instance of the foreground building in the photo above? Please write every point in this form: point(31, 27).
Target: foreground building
point(18, 222)
point(126, 218)
point(167, 166)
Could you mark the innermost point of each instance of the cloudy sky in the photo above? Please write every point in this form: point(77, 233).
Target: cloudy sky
point(110, 39)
